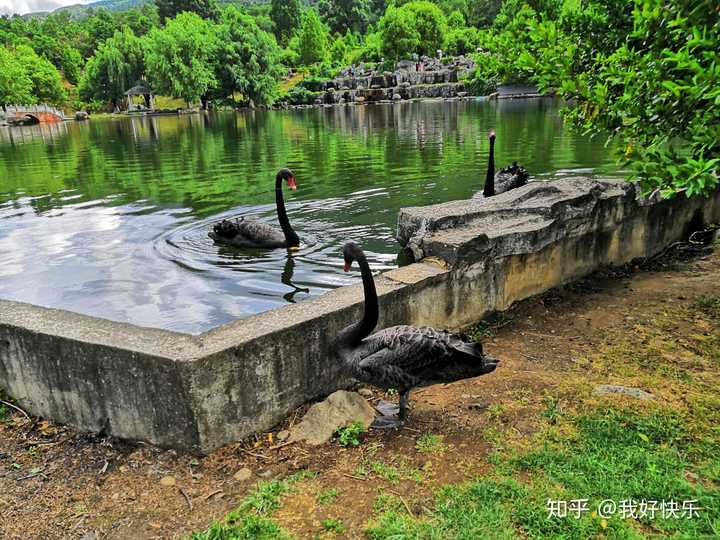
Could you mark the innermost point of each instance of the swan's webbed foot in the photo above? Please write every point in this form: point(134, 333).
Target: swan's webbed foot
point(391, 415)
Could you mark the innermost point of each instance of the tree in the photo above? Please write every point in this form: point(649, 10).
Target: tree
point(313, 39)
point(116, 66)
point(415, 27)
point(247, 59)
point(657, 92)
point(46, 80)
point(15, 84)
point(344, 15)
point(169, 9)
point(287, 16)
point(400, 37)
point(178, 57)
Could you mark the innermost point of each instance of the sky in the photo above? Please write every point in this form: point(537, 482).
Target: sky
point(30, 6)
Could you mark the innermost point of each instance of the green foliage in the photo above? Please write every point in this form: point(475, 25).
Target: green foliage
point(3, 412)
point(350, 435)
point(247, 59)
point(333, 525)
point(462, 41)
point(327, 496)
point(656, 87)
point(46, 80)
point(287, 16)
point(344, 15)
point(178, 58)
point(312, 39)
point(429, 443)
point(416, 27)
point(116, 66)
point(15, 83)
point(169, 9)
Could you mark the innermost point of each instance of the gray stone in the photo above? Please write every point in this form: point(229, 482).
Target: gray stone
point(323, 419)
point(243, 475)
point(283, 435)
point(608, 389)
point(397, 97)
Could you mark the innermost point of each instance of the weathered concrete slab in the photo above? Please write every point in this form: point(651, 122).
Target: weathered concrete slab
point(528, 240)
point(201, 392)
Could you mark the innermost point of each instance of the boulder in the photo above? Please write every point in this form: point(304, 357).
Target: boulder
point(323, 419)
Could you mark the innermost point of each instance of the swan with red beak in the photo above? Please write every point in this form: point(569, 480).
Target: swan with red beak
point(245, 233)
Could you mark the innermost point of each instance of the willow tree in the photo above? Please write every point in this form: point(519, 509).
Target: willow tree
point(247, 59)
point(179, 58)
point(116, 66)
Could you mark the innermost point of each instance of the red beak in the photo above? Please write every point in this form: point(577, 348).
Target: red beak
point(291, 183)
point(346, 268)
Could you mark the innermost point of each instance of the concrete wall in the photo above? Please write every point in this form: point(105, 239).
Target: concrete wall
point(201, 392)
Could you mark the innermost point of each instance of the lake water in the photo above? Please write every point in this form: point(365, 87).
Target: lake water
point(110, 217)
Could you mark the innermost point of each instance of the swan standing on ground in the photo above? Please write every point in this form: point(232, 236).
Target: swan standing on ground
point(254, 234)
point(511, 177)
point(403, 357)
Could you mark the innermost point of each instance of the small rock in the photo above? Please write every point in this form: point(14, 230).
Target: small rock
point(266, 474)
point(365, 392)
point(243, 474)
point(607, 389)
point(397, 97)
point(167, 481)
point(478, 406)
point(283, 435)
point(89, 536)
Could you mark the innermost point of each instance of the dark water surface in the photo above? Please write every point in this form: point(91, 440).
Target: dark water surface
point(110, 217)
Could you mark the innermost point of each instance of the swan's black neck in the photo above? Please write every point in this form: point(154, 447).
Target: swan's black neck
point(489, 189)
point(290, 236)
point(355, 333)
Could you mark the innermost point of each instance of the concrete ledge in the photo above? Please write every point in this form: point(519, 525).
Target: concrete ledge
point(200, 392)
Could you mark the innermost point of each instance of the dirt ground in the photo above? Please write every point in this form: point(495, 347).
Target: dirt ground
point(58, 483)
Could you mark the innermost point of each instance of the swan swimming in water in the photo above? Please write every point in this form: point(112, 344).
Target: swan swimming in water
point(511, 177)
point(403, 357)
point(254, 234)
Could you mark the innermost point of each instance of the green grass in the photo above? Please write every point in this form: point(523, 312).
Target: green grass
point(3, 413)
point(251, 520)
point(395, 473)
point(430, 444)
point(708, 305)
point(614, 454)
point(327, 496)
point(333, 525)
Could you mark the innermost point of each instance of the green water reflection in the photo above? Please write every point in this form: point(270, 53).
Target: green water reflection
point(109, 217)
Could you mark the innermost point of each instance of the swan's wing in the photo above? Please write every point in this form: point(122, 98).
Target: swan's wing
point(407, 356)
point(256, 231)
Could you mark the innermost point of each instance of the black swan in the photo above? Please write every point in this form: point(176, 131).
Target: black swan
point(253, 234)
point(511, 177)
point(403, 357)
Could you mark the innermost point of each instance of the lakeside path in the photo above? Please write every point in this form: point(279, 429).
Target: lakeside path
point(502, 445)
